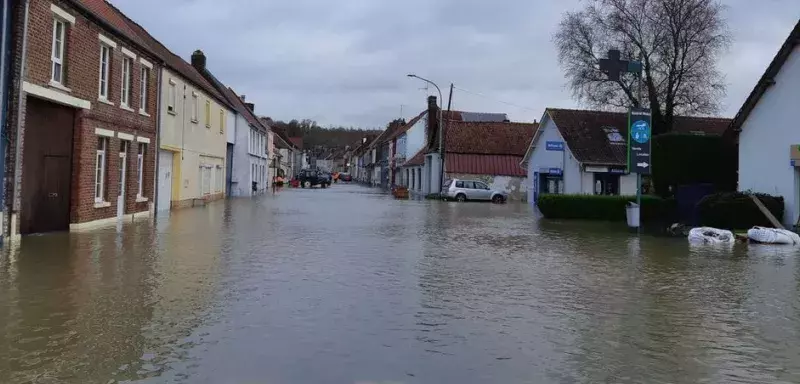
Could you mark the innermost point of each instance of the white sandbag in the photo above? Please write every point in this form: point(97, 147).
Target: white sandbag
point(710, 235)
point(773, 236)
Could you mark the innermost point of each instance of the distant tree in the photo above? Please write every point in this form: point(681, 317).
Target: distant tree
point(679, 42)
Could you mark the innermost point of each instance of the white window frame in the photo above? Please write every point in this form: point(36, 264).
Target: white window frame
point(140, 167)
point(59, 60)
point(105, 71)
point(207, 113)
point(101, 162)
point(221, 121)
point(145, 79)
point(195, 107)
point(173, 97)
point(127, 76)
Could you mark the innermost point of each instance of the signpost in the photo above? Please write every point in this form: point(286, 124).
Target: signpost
point(640, 128)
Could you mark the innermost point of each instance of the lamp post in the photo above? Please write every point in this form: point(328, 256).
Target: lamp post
point(441, 127)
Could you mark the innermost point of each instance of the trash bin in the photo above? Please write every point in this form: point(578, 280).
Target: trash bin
point(632, 212)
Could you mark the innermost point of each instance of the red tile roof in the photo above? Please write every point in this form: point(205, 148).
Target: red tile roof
point(489, 138)
point(297, 142)
point(583, 130)
point(135, 32)
point(498, 165)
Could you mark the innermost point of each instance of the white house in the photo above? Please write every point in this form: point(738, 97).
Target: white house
point(768, 134)
point(585, 152)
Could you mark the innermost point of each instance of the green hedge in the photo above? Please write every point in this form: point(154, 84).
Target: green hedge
point(736, 210)
point(607, 208)
point(680, 159)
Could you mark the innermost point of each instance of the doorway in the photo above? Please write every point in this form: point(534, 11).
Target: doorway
point(47, 167)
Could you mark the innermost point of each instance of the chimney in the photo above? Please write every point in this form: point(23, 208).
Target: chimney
point(243, 97)
point(199, 60)
point(251, 107)
point(433, 122)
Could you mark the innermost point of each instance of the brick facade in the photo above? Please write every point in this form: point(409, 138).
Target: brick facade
point(81, 76)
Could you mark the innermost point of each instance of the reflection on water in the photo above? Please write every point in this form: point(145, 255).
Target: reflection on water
point(348, 285)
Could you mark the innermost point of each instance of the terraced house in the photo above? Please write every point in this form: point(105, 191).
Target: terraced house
point(82, 119)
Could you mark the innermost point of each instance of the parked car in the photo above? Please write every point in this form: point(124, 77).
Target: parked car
point(464, 190)
point(345, 177)
point(311, 177)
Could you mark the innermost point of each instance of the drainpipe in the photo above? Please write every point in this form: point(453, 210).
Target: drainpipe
point(20, 96)
point(4, 77)
point(157, 145)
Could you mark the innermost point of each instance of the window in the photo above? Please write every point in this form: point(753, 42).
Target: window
point(123, 166)
point(105, 65)
point(57, 56)
point(479, 185)
point(221, 121)
point(140, 169)
point(606, 184)
point(195, 107)
point(173, 96)
point(127, 68)
point(100, 170)
point(143, 94)
point(218, 179)
point(208, 114)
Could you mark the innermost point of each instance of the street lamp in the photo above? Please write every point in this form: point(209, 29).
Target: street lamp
point(441, 126)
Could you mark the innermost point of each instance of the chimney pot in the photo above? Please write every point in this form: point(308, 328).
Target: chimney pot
point(251, 107)
point(243, 97)
point(199, 60)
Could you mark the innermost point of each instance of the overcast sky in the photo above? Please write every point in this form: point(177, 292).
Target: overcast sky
point(345, 62)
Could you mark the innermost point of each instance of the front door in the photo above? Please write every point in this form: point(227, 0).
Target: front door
point(46, 167)
point(164, 180)
point(55, 197)
point(123, 172)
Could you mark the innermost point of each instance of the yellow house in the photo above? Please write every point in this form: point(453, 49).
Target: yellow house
point(192, 139)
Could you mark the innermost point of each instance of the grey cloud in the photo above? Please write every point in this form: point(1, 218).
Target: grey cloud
point(344, 62)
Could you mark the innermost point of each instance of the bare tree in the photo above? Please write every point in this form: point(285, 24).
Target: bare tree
point(678, 41)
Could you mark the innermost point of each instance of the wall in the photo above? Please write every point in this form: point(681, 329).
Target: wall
point(415, 138)
point(766, 136)
point(241, 160)
point(542, 158)
point(516, 187)
point(233, 128)
point(80, 90)
point(196, 142)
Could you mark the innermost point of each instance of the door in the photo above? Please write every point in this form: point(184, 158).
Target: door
point(164, 180)
point(55, 197)
point(482, 191)
point(46, 167)
point(123, 173)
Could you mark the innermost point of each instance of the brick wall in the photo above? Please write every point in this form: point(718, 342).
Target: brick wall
point(81, 76)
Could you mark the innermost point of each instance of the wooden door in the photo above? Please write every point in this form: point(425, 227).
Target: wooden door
point(54, 198)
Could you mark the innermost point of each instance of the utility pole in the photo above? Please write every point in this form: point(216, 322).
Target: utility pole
point(444, 137)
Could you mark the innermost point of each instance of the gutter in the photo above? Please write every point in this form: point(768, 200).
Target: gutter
point(5, 24)
point(20, 95)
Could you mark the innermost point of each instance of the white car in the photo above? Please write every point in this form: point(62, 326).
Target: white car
point(464, 190)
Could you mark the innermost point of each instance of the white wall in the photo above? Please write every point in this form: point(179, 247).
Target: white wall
point(415, 138)
point(766, 135)
point(232, 128)
point(542, 158)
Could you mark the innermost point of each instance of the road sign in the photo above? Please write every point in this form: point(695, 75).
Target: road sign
point(639, 141)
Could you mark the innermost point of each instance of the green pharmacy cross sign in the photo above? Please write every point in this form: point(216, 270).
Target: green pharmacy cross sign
point(640, 135)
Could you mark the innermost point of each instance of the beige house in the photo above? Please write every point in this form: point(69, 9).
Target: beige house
point(192, 139)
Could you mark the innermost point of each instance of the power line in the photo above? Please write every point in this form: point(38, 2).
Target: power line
point(495, 99)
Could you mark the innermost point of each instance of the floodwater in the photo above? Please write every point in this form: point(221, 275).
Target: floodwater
point(346, 285)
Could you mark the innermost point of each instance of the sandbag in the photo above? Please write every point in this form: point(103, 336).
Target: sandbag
point(773, 236)
point(710, 235)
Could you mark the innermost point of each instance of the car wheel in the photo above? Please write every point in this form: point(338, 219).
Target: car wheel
point(498, 199)
point(306, 184)
point(461, 197)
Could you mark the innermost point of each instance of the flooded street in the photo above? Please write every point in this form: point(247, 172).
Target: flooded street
point(347, 285)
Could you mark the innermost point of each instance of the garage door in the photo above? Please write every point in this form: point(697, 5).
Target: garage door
point(164, 180)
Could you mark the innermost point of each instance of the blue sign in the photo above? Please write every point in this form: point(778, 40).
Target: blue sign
point(616, 170)
point(640, 131)
point(791, 162)
point(554, 145)
point(555, 171)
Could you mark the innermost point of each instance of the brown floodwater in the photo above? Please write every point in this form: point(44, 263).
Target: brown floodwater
point(347, 285)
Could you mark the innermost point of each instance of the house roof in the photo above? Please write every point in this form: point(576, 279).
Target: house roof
point(417, 159)
point(297, 142)
point(242, 109)
point(768, 78)
point(499, 165)
point(406, 127)
point(587, 132)
point(115, 17)
point(488, 138)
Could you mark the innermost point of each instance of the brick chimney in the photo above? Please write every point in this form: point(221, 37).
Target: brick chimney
point(251, 107)
point(433, 123)
point(199, 60)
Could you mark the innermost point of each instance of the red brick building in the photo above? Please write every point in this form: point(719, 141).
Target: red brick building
point(83, 119)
